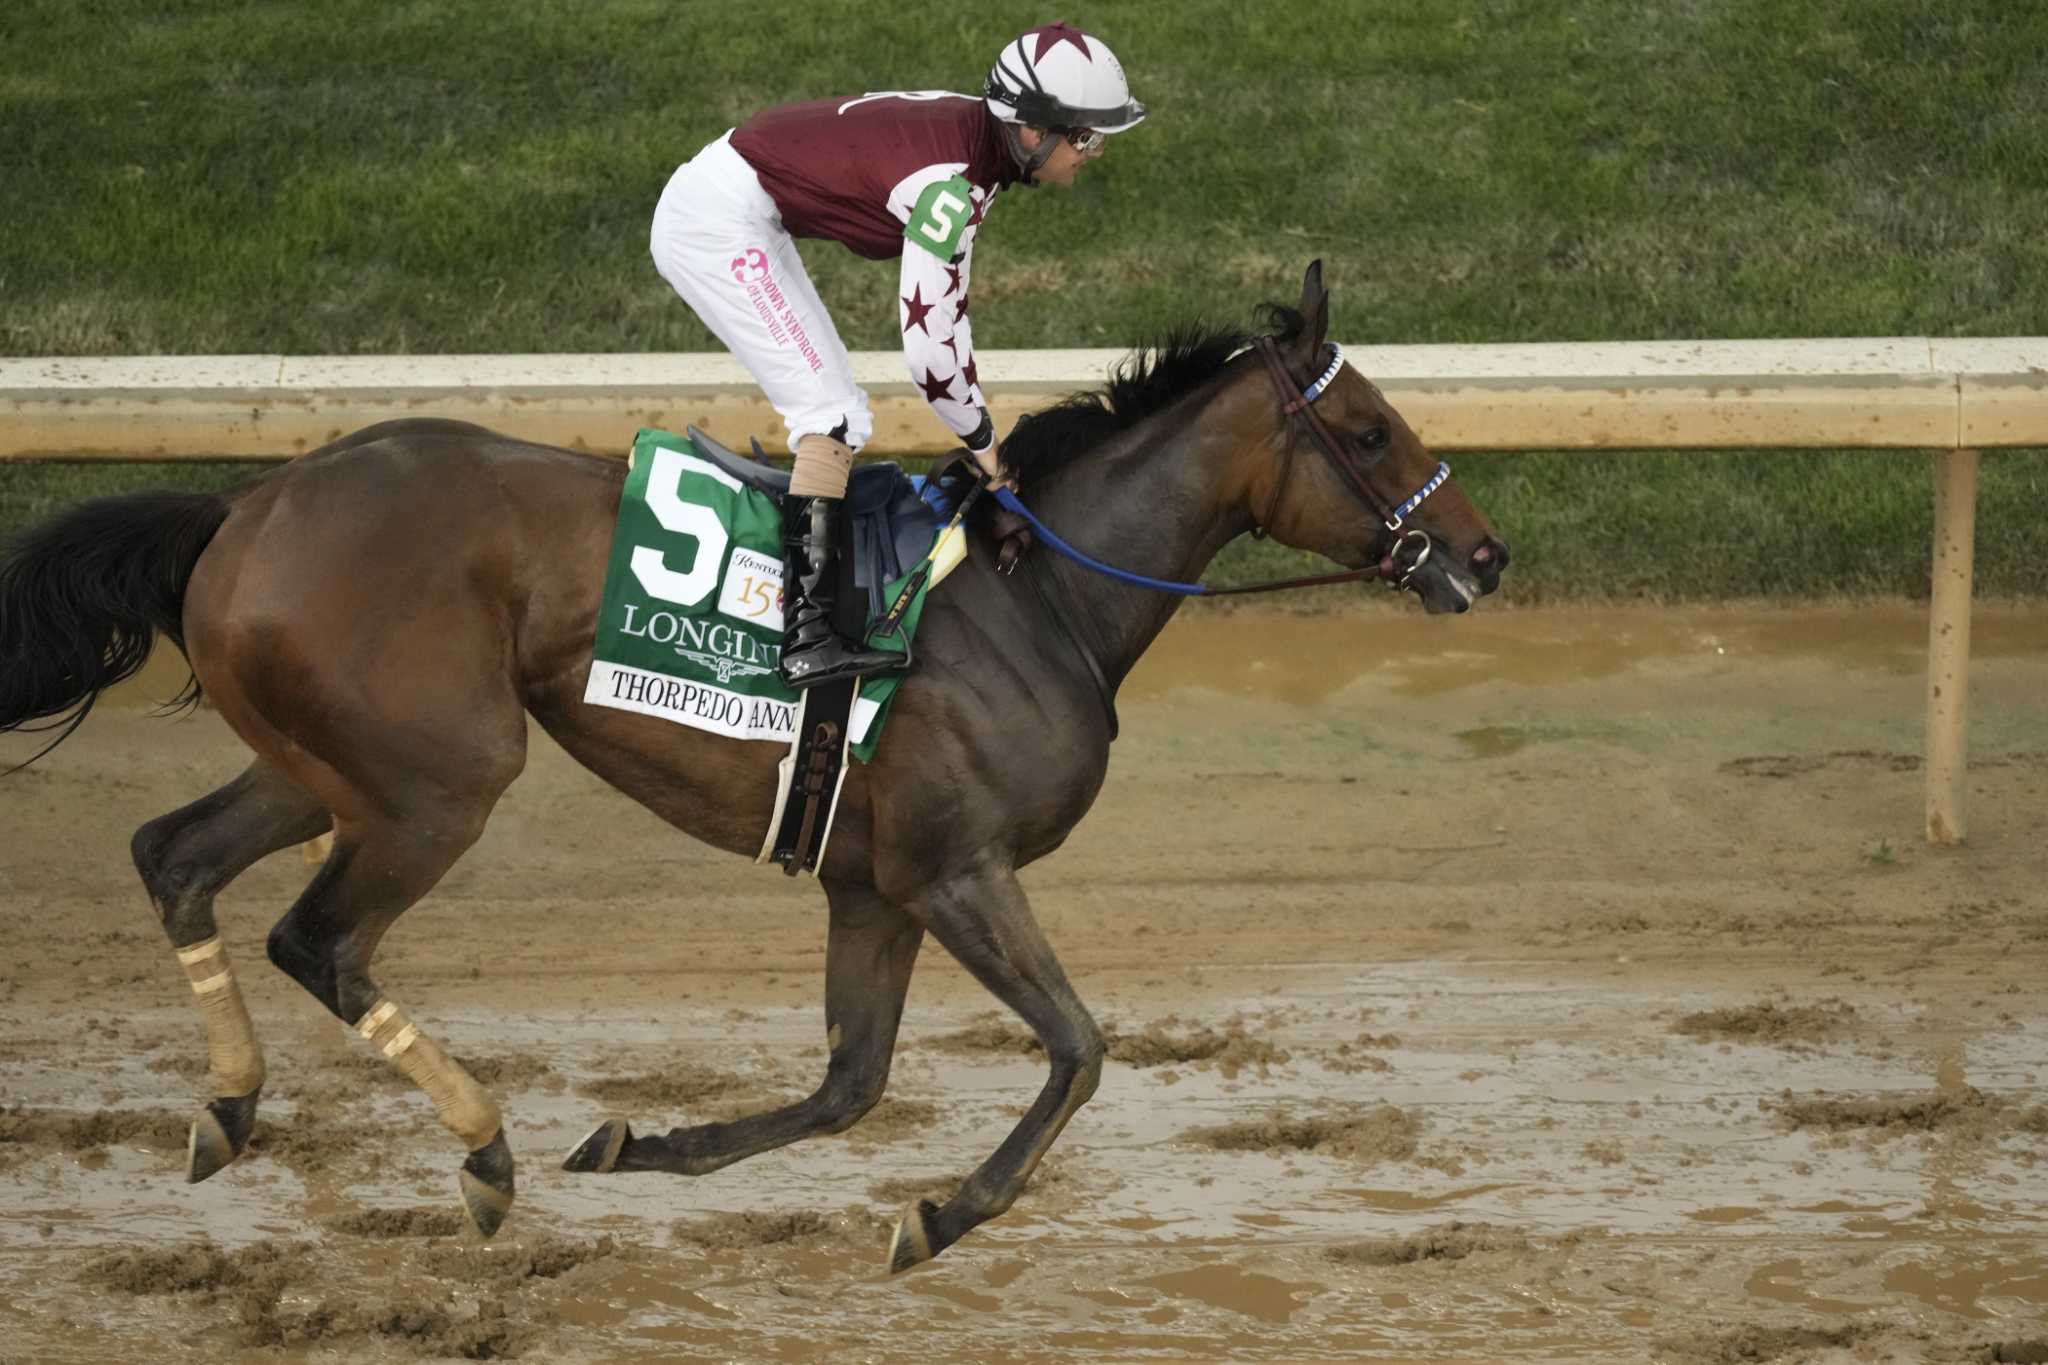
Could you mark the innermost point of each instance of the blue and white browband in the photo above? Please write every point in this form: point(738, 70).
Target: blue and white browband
point(1436, 481)
point(1313, 391)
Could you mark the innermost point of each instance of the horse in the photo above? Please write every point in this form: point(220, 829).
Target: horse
point(377, 620)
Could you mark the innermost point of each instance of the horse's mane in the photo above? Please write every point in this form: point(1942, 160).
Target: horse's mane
point(1152, 377)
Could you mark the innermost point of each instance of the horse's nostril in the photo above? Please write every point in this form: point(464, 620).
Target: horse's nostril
point(1491, 554)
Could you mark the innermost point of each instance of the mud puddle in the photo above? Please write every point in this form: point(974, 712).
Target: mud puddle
point(1303, 659)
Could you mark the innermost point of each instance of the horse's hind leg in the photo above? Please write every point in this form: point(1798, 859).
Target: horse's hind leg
point(185, 858)
point(985, 921)
point(869, 952)
point(380, 866)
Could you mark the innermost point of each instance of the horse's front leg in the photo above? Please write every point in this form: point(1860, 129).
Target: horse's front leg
point(870, 949)
point(984, 920)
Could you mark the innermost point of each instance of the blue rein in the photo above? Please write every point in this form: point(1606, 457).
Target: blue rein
point(1137, 580)
point(1009, 499)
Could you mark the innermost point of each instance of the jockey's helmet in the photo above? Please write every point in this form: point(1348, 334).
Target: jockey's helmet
point(1058, 77)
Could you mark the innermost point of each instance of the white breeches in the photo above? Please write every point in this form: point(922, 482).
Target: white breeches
point(719, 242)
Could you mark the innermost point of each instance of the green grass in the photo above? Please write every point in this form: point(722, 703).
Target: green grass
point(1686, 526)
point(33, 490)
point(214, 176)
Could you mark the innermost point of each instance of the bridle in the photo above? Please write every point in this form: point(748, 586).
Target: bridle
point(1411, 548)
point(1399, 565)
point(1409, 551)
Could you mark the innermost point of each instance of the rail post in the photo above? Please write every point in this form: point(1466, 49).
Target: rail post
point(1948, 644)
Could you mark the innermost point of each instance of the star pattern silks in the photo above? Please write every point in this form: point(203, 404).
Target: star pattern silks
point(937, 340)
point(915, 309)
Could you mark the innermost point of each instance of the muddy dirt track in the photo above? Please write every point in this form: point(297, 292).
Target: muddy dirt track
point(1543, 985)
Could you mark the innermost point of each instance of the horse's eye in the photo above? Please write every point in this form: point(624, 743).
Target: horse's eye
point(1375, 438)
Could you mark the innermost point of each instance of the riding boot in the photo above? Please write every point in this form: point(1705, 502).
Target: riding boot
point(812, 651)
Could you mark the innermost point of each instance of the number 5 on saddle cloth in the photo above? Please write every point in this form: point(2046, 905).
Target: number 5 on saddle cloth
point(690, 628)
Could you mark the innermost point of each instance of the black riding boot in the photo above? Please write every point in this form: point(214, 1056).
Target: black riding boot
point(812, 651)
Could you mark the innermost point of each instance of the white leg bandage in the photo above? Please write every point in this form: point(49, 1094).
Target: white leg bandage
point(235, 1057)
point(466, 1108)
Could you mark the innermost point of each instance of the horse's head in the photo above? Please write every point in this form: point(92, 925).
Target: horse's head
point(1351, 480)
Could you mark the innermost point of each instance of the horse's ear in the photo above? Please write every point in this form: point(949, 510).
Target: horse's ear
point(1315, 315)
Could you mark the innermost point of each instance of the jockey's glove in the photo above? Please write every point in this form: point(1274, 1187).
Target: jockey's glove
point(981, 444)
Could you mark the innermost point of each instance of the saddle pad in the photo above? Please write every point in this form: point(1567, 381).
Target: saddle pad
point(690, 628)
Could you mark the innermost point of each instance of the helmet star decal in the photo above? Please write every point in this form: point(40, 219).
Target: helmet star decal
point(1052, 35)
point(1038, 82)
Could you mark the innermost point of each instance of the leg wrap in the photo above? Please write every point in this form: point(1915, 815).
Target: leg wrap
point(823, 466)
point(466, 1108)
point(231, 1047)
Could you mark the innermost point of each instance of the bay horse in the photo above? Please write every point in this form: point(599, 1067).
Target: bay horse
point(377, 620)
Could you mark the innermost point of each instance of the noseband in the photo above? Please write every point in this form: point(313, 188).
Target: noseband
point(1411, 549)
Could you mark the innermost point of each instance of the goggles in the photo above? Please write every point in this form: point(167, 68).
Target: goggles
point(1086, 140)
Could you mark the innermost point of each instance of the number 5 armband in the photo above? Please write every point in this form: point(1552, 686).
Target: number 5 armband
point(940, 217)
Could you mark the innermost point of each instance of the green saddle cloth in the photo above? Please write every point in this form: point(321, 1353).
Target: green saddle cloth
point(690, 629)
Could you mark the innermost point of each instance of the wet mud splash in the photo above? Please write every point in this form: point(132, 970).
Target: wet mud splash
point(1769, 1022)
point(1231, 1046)
point(463, 1302)
point(1381, 1134)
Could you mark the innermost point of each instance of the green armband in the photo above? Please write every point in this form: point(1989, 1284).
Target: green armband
point(939, 218)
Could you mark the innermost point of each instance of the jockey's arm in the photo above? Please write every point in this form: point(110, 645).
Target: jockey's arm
point(931, 304)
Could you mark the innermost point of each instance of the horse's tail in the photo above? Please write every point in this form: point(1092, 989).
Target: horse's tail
point(83, 595)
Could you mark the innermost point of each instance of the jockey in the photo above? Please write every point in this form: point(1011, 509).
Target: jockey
point(909, 175)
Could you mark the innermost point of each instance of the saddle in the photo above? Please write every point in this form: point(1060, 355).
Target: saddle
point(889, 527)
point(892, 525)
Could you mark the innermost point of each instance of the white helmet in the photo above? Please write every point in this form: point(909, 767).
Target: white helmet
point(1059, 77)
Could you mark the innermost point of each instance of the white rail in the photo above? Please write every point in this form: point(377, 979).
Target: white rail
point(1888, 392)
point(1954, 397)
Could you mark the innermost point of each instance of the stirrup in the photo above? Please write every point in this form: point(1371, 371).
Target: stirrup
point(834, 659)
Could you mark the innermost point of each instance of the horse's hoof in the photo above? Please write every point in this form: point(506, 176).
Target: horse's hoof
point(219, 1134)
point(486, 1182)
point(207, 1149)
point(599, 1153)
point(913, 1242)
